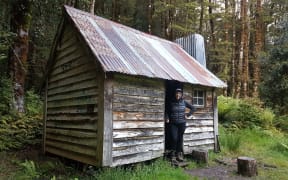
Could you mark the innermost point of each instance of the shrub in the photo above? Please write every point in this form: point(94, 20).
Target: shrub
point(236, 113)
point(29, 170)
point(18, 129)
point(225, 105)
point(33, 104)
point(5, 95)
point(281, 123)
point(267, 117)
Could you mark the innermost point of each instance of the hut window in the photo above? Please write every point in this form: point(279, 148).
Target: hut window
point(198, 98)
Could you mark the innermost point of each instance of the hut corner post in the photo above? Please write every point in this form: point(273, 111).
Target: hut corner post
point(106, 123)
point(44, 118)
point(215, 121)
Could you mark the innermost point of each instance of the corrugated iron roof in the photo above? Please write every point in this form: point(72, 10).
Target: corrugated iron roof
point(121, 49)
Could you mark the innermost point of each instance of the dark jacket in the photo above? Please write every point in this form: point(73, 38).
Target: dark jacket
point(176, 111)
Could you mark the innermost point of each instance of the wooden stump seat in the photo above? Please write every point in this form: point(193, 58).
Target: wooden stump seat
point(247, 166)
point(200, 156)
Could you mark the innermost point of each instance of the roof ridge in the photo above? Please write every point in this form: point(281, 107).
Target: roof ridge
point(119, 24)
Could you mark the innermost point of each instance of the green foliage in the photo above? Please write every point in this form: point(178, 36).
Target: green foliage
point(274, 88)
point(268, 147)
point(6, 39)
point(231, 141)
point(17, 131)
point(160, 170)
point(29, 170)
point(281, 123)
point(5, 95)
point(33, 104)
point(281, 148)
point(236, 113)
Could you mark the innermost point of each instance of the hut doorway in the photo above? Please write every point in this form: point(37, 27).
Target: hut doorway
point(170, 87)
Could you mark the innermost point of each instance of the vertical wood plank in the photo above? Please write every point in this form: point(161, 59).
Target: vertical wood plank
point(45, 117)
point(100, 122)
point(215, 112)
point(104, 126)
point(108, 124)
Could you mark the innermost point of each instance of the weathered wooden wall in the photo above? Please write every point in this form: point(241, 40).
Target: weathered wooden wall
point(138, 119)
point(200, 131)
point(72, 102)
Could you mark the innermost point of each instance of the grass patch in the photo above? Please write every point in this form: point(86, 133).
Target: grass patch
point(159, 169)
point(231, 141)
point(55, 169)
point(268, 147)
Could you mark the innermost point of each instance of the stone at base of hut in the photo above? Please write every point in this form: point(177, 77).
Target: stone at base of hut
point(247, 166)
point(200, 156)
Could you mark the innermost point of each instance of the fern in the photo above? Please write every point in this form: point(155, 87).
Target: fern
point(29, 170)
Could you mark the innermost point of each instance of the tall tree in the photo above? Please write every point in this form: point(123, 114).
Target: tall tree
point(99, 7)
point(202, 9)
point(274, 88)
point(245, 46)
point(242, 63)
point(258, 48)
point(232, 73)
point(143, 16)
point(20, 24)
point(92, 6)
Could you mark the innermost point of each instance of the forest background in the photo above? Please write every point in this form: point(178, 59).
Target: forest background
point(246, 40)
point(246, 46)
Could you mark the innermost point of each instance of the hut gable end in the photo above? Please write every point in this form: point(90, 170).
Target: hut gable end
point(72, 101)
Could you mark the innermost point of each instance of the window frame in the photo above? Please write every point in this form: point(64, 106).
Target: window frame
point(199, 97)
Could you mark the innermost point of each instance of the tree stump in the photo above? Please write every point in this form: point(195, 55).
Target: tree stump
point(200, 156)
point(247, 166)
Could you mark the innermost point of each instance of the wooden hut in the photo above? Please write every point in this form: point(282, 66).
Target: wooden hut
point(105, 93)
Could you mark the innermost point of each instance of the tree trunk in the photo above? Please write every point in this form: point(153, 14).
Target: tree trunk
point(227, 47)
point(169, 30)
point(73, 3)
point(233, 54)
point(241, 82)
point(116, 10)
point(99, 7)
point(92, 6)
point(20, 23)
point(258, 47)
point(212, 26)
point(245, 38)
point(201, 16)
point(150, 13)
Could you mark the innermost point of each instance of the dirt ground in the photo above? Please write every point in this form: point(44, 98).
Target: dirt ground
point(224, 169)
point(9, 160)
point(218, 171)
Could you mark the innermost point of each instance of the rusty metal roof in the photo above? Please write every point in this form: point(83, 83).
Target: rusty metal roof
point(121, 49)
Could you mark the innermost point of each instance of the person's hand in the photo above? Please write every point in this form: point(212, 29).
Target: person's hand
point(167, 121)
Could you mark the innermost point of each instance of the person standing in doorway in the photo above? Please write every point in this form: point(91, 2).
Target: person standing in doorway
point(176, 121)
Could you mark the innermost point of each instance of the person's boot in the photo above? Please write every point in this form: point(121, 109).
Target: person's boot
point(179, 157)
point(173, 158)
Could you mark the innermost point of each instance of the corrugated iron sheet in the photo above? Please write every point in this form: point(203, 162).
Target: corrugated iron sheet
point(125, 50)
point(195, 46)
